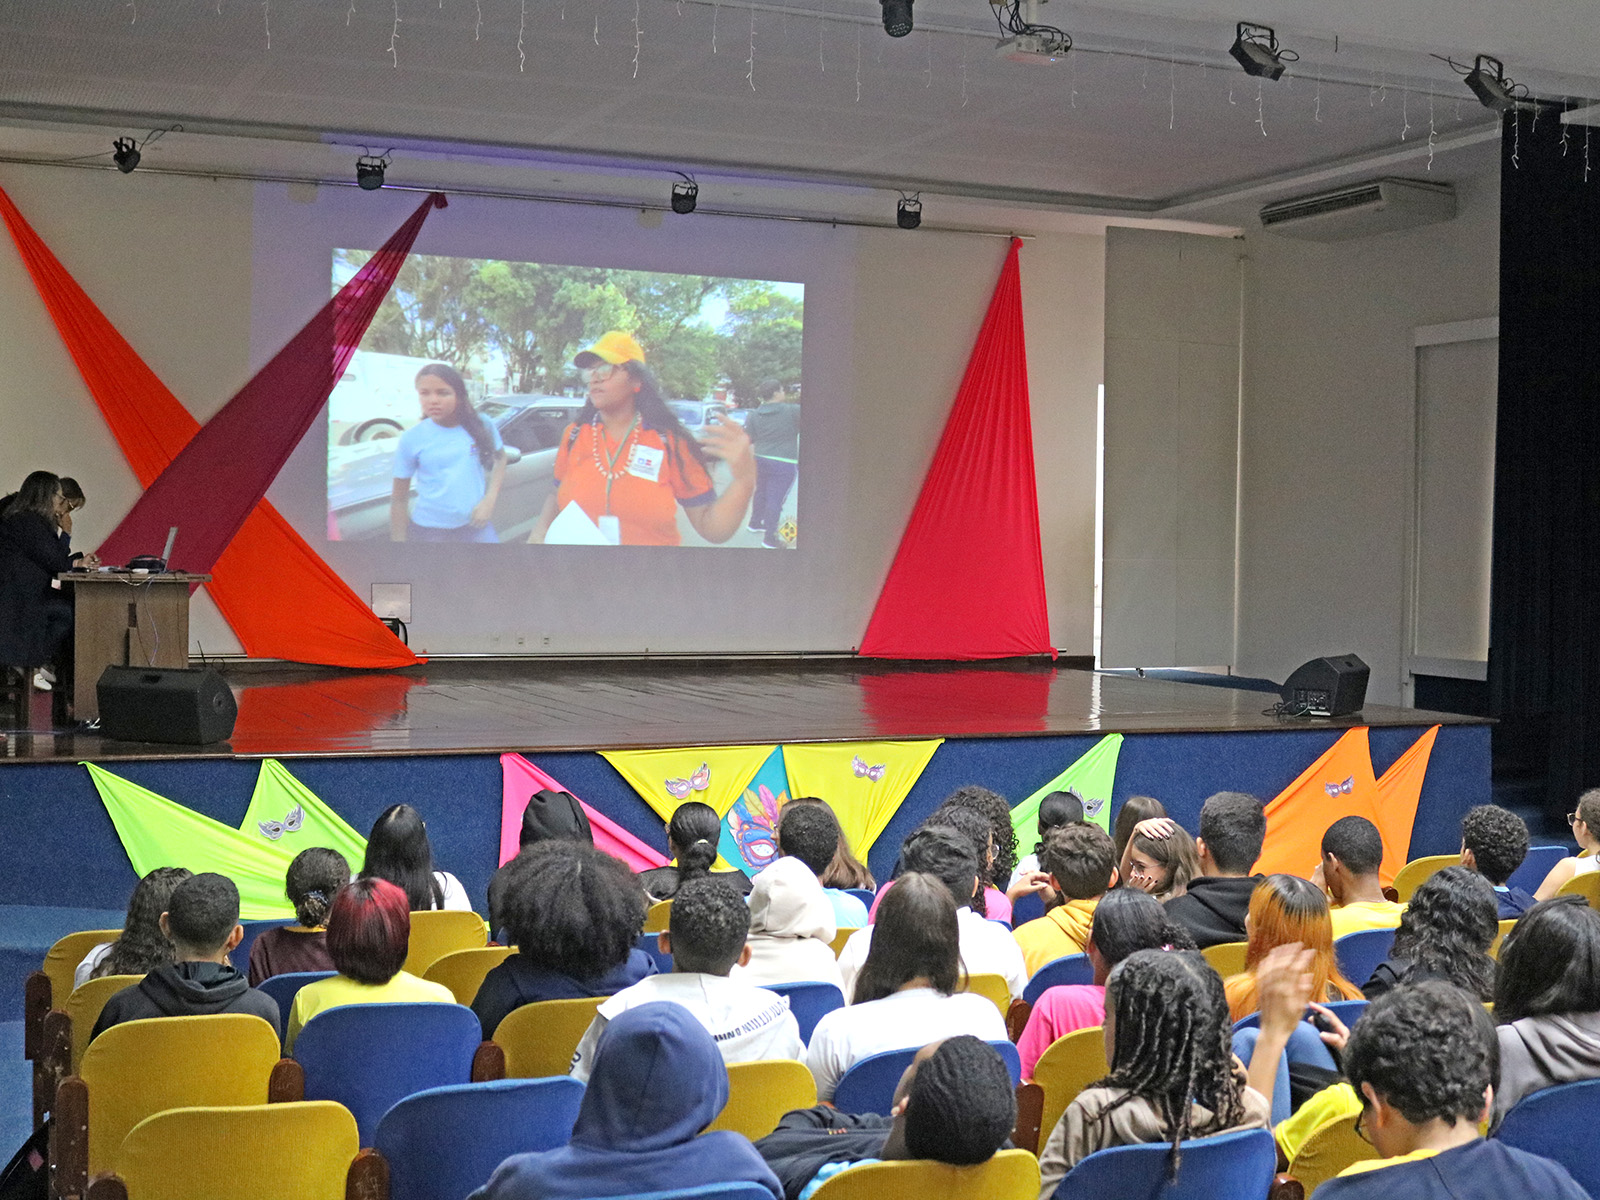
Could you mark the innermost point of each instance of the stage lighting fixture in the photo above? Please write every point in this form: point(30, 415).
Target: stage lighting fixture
point(1491, 87)
point(685, 194)
point(908, 213)
point(1255, 48)
point(896, 17)
point(125, 153)
point(369, 171)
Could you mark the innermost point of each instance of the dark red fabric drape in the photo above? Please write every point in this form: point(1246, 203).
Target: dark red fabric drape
point(968, 579)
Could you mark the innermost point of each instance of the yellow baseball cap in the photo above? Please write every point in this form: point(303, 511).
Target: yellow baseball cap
point(614, 347)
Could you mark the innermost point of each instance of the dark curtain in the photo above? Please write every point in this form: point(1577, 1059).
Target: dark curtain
point(1544, 658)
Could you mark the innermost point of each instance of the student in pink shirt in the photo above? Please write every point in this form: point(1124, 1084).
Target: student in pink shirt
point(1126, 920)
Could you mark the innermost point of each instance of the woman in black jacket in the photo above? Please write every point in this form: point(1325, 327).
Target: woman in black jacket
point(35, 618)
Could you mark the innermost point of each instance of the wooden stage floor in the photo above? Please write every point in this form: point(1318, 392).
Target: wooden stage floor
point(477, 706)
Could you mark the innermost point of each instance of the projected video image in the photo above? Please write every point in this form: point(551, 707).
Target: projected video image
point(508, 402)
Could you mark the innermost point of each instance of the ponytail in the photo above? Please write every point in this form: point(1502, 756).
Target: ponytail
point(694, 831)
point(696, 860)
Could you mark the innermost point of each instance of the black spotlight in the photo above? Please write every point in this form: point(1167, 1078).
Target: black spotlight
point(908, 213)
point(896, 17)
point(125, 153)
point(1489, 84)
point(1255, 48)
point(685, 194)
point(369, 171)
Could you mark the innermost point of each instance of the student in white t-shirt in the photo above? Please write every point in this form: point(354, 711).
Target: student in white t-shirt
point(905, 992)
point(457, 461)
point(398, 850)
point(706, 937)
point(987, 947)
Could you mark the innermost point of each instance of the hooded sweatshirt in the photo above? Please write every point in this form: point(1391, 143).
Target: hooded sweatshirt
point(187, 989)
point(808, 1139)
point(1540, 1052)
point(1214, 908)
point(658, 1080)
point(1062, 931)
point(791, 929)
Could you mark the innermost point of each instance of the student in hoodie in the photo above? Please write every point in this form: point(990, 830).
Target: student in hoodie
point(791, 929)
point(1352, 852)
point(706, 937)
point(574, 914)
point(550, 816)
point(1081, 860)
point(810, 832)
point(657, 1082)
point(1547, 1000)
point(202, 919)
point(954, 1104)
point(1232, 827)
point(1494, 841)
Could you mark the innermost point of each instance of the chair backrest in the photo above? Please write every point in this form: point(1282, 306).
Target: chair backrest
point(301, 1150)
point(1360, 953)
point(866, 895)
point(1587, 886)
point(1499, 938)
point(650, 943)
point(840, 938)
point(540, 1039)
point(1009, 1175)
point(1230, 1164)
point(62, 959)
point(1069, 1064)
point(462, 971)
point(1328, 1151)
point(1072, 968)
point(84, 1004)
point(369, 1057)
point(1558, 1123)
point(442, 931)
point(759, 1093)
point(993, 988)
point(1029, 907)
point(1348, 1011)
point(284, 988)
point(658, 917)
point(1226, 958)
point(809, 1002)
point(447, 1141)
point(239, 956)
point(140, 1068)
point(868, 1086)
point(1536, 866)
point(1409, 877)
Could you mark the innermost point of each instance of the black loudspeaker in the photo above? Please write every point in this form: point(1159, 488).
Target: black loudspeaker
point(164, 704)
point(1327, 687)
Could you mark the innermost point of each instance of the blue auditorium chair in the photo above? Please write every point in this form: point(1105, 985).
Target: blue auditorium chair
point(809, 1002)
point(650, 943)
point(1558, 1123)
point(868, 1086)
point(1536, 866)
point(1360, 953)
point(867, 896)
point(1240, 1164)
point(284, 988)
point(1070, 968)
point(1346, 1010)
point(711, 1191)
point(1026, 908)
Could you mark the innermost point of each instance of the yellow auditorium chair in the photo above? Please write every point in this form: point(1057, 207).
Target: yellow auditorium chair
point(759, 1093)
point(1587, 886)
point(1505, 928)
point(443, 931)
point(1328, 1151)
point(1068, 1065)
point(843, 936)
point(1009, 1175)
point(51, 984)
point(992, 987)
point(83, 1009)
point(462, 971)
point(658, 916)
point(1409, 877)
point(65, 1032)
point(1226, 958)
point(540, 1039)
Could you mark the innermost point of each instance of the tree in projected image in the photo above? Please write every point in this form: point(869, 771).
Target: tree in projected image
point(537, 314)
point(431, 312)
point(761, 337)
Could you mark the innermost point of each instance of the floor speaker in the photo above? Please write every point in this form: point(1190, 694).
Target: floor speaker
point(1327, 687)
point(159, 704)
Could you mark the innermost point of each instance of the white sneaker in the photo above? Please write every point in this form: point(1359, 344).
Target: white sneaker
point(41, 680)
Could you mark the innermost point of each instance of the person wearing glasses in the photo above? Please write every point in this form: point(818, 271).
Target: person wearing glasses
point(1585, 824)
point(628, 463)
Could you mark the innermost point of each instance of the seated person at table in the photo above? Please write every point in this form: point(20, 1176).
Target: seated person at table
point(706, 936)
point(1081, 861)
point(1232, 827)
point(1445, 934)
point(142, 946)
point(550, 816)
point(1494, 841)
point(574, 914)
point(810, 832)
point(369, 932)
point(1585, 824)
point(657, 1082)
point(398, 850)
point(905, 995)
point(313, 879)
point(954, 1104)
point(987, 948)
point(1352, 852)
point(1424, 1063)
point(202, 919)
point(791, 929)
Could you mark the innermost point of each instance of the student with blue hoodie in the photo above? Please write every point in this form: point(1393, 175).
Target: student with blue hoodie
point(657, 1082)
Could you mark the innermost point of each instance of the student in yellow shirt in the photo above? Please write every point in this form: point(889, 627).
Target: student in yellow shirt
point(1352, 850)
point(1081, 860)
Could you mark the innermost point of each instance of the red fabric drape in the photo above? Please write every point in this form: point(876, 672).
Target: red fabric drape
point(278, 595)
point(968, 579)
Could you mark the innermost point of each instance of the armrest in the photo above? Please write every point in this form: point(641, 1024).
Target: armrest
point(52, 1064)
point(36, 1002)
point(1030, 1112)
point(1017, 1019)
point(287, 1083)
point(107, 1186)
point(367, 1179)
point(488, 1062)
point(69, 1140)
point(1286, 1187)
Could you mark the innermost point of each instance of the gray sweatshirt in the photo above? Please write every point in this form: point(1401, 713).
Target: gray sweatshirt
point(1540, 1052)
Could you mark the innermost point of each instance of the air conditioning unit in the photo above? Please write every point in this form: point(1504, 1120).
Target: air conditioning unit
point(1361, 210)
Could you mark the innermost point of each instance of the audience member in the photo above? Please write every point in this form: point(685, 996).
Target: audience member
point(202, 919)
point(989, 901)
point(706, 937)
point(1081, 861)
point(369, 932)
point(550, 816)
point(846, 870)
point(992, 807)
point(313, 879)
point(1547, 1000)
point(398, 851)
point(1445, 934)
point(35, 615)
point(954, 1104)
point(574, 914)
point(1352, 852)
point(1424, 1062)
point(1494, 841)
point(692, 837)
point(1134, 810)
point(791, 929)
point(1055, 810)
point(1232, 827)
point(987, 948)
point(1585, 824)
point(1126, 921)
point(905, 994)
point(1287, 910)
point(143, 945)
point(1161, 866)
point(811, 834)
point(656, 1082)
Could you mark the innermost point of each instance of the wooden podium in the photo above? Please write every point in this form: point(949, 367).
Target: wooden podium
point(125, 619)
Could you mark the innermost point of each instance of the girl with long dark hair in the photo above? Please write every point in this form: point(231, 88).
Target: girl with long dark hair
point(398, 850)
point(35, 618)
point(142, 947)
point(1445, 933)
point(628, 463)
point(457, 461)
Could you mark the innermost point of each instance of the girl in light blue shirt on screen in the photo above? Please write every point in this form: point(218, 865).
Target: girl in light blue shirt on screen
point(457, 460)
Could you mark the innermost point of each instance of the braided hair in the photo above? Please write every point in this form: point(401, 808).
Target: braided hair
point(1172, 1043)
point(313, 878)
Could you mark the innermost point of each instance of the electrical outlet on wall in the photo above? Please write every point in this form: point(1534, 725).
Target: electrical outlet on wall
point(522, 639)
point(544, 640)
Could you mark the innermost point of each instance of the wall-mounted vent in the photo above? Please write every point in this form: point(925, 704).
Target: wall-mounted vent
point(1362, 210)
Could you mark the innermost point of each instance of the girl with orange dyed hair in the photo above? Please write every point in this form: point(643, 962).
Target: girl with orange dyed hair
point(1285, 909)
